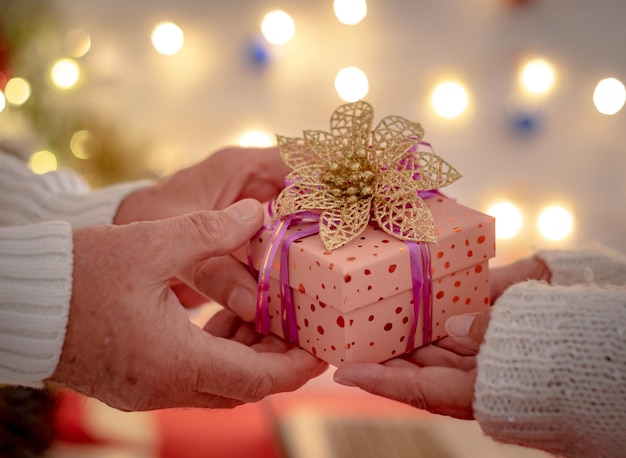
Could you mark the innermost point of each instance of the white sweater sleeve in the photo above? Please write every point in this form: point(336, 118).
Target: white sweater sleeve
point(27, 198)
point(37, 213)
point(552, 369)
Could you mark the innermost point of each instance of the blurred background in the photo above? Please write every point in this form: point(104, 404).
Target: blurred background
point(524, 98)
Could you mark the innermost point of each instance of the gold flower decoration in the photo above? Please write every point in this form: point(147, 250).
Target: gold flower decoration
point(353, 174)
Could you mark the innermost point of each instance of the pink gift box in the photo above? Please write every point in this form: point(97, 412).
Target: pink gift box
point(356, 303)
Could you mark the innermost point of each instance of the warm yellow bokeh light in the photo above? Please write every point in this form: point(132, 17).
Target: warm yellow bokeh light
point(3, 102)
point(255, 138)
point(167, 38)
point(84, 144)
point(65, 73)
point(278, 27)
point(537, 76)
point(449, 99)
point(17, 91)
point(609, 96)
point(42, 162)
point(351, 84)
point(508, 219)
point(77, 43)
point(555, 223)
point(350, 12)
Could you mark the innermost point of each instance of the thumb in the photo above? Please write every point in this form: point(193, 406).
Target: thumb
point(189, 239)
point(469, 329)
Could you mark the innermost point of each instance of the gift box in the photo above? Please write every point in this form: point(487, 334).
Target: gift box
point(362, 258)
point(356, 303)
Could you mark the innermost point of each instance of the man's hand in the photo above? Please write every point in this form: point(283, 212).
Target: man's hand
point(130, 344)
point(220, 180)
point(215, 183)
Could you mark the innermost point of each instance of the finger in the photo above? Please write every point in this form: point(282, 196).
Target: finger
point(501, 278)
point(467, 331)
point(440, 390)
point(432, 355)
point(227, 325)
point(228, 282)
point(186, 240)
point(239, 372)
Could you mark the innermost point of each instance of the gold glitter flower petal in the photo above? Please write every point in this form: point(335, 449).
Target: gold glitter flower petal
point(404, 216)
point(339, 226)
point(296, 199)
point(390, 130)
point(306, 175)
point(351, 123)
point(295, 152)
point(433, 171)
point(324, 144)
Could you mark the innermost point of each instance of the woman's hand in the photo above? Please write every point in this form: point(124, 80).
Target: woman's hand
point(440, 377)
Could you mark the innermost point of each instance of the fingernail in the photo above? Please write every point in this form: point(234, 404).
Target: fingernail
point(244, 210)
point(459, 325)
point(342, 381)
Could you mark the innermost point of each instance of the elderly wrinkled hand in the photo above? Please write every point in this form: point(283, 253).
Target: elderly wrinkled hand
point(129, 342)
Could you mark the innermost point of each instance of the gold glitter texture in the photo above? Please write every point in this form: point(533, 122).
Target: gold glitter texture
point(354, 173)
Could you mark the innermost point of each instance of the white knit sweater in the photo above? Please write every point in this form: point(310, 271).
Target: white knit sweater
point(552, 369)
point(37, 214)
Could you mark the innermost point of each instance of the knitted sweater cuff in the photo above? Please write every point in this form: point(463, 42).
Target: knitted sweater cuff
point(594, 263)
point(36, 283)
point(551, 369)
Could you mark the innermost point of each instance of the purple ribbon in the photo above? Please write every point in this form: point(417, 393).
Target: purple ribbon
point(419, 254)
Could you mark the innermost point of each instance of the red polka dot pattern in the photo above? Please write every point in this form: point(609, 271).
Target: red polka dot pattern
point(356, 303)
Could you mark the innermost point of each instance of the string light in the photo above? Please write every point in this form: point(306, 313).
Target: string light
point(351, 84)
point(508, 219)
point(84, 144)
point(278, 27)
point(255, 138)
point(167, 38)
point(77, 43)
point(350, 12)
point(555, 223)
point(449, 99)
point(42, 162)
point(609, 96)
point(17, 91)
point(65, 73)
point(537, 76)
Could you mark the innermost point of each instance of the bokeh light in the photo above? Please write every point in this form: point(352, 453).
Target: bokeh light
point(3, 102)
point(278, 27)
point(65, 73)
point(17, 91)
point(537, 76)
point(42, 162)
point(555, 223)
point(255, 138)
point(167, 38)
point(449, 99)
point(350, 12)
point(351, 84)
point(508, 219)
point(77, 43)
point(84, 144)
point(609, 96)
